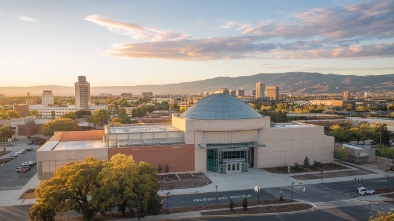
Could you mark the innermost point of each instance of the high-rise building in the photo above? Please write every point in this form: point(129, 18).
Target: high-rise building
point(365, 95)
point(232, 93)
point(346, 95)
point(273, 92)
point(47, 98)
point(224, 91)
point(240, 92)
point(254, 92)
point(82, 93)
point(260, 90)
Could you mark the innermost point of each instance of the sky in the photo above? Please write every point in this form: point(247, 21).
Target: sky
point(127, 43)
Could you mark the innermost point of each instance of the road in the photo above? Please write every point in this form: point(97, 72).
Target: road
point(10, 180)
point(323, 192)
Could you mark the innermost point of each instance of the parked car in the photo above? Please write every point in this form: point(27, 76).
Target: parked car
point(365, 191)
point(29, 148)
point(20, 170)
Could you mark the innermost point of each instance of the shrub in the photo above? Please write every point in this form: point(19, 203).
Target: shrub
point(306, 162)
point(283, 167)
point(317, 164)
point(245, 204)
point(232, 205)
point(297, 167)
point(281, 196)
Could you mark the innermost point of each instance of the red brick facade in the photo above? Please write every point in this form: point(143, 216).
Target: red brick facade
point(180, 158)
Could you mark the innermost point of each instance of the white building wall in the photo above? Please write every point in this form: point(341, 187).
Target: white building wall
point(286, 146)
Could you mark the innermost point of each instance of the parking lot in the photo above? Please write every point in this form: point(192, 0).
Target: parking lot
point(10, 179)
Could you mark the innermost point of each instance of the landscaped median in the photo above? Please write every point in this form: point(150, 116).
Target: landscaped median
point(264, 206)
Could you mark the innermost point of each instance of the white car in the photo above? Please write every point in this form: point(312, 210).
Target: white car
point(364, 191)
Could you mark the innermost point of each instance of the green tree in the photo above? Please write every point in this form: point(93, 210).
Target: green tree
point(69, 115)
point(6, 133)
point(100, 116)
point(82, 113)
point(60, 124)
point(245, 203)
point(382, 134)
point(123, 117)
point(10, 114)
point(34, 113)
point(138, 112)
point(341, 154)
point(115, 120)
point(69, 189)
point(117, 184)
point(148, 201)
point(388, 153)
point(53, 114)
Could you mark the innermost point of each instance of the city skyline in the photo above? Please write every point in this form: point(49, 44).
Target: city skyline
point(137, 43)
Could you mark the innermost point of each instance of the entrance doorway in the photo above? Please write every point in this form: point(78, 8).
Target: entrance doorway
point(234, 167)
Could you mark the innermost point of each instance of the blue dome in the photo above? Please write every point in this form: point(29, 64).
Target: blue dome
point(220, 107)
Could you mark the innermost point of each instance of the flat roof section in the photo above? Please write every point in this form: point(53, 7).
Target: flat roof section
point(292, 125)
point(354, 146)
point(49, 145)
point(141, 129)
point(79, 145)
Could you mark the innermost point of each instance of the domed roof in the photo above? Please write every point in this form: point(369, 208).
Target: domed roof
point(220, 107)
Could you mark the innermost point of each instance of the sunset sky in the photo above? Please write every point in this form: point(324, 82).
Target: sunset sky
point(125, 43)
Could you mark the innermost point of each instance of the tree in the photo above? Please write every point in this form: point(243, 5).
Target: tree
point(53, 114)
point(6, 133)
point(306, 162)
point(69, 115)
point(382, 217)
point(388, 153)
point(245, 203)
point(42, 212)
point(341, 154)
point(117, 184)
point(69, 189)
point(100, 116)
point(159, 168)
point(60, 124)
point(382, 134)
point(34, 113)
point(82, 113)
point(148, 201)
point(10, 114)
point(123, 117)
point(115, 120)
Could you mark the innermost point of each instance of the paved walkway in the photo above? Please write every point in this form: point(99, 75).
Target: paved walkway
point(264, 179)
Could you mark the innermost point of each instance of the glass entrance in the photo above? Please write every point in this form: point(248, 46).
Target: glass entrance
point(234, 167)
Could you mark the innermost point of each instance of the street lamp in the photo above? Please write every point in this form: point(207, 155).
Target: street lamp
point(167, 200)
point(292, 184)
point(387, 182)
point(257, 189)
point(217, 198)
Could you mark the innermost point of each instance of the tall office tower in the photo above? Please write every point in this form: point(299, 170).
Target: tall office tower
point(365, 95)
point(47, 98)
point(82, 93)
point(273, 92)
point(260, 90)
point(232, 93)
point(253, 92)
point(240, 92)
point(346, 95)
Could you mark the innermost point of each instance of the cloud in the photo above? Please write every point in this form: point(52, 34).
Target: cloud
point(134, 30)
point(25, 18)
point(369, 19)
point(361, 30)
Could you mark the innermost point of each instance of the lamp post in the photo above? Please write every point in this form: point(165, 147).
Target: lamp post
point(217, 198)
point(257, 189)
point(387, 182)
point(292, 184)
point(167, 200)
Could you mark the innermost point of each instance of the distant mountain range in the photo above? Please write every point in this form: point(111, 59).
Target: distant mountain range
point(296, 82)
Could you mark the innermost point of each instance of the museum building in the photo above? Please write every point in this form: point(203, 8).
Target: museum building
point(218, 134)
